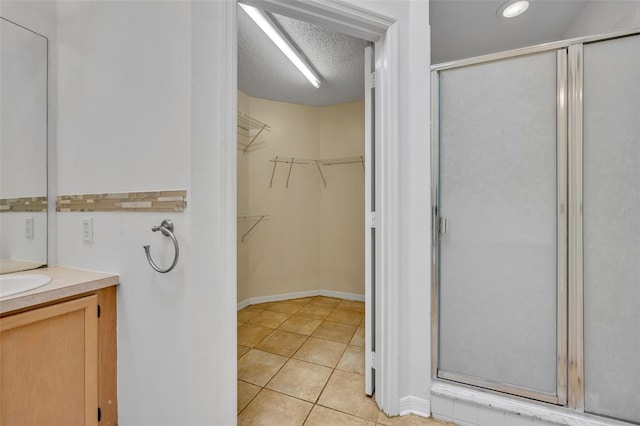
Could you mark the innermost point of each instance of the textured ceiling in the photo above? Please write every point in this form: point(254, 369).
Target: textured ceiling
point(264, 71)
point(466, 28)
point(459, 29)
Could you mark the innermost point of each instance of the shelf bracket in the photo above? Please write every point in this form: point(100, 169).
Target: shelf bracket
point(275, 163)
point(252, 228)
point(289, 175)
point(321, 174)
point(264, 126)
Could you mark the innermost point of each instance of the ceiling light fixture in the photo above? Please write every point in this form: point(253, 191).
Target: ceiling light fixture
point(511, 9)
point(267, 25)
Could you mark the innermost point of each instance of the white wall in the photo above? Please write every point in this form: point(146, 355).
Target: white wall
point(172, 368)
point(283, 251)
point(341, 207)
point(40, 16)
point(600, 17)
point(15, 245)
point(23, 126)
point(135, 114)
point(243, 204)
point(313, 239)
point(414, 189)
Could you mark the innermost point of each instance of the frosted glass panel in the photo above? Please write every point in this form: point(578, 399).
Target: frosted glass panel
point(498, 192)
point(612, 228)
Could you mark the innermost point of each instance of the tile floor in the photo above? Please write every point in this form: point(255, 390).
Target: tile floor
point(301, 362)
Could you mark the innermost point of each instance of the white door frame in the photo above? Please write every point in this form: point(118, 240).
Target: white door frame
point(365, 24)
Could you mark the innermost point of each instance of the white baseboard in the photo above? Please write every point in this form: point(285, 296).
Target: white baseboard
point(300, 295)
point(414, 405)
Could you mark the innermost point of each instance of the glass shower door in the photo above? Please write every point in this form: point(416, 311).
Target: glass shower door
point(500, 178)
point(611, 228)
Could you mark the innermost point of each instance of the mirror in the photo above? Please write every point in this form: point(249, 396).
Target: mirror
point(23, 148)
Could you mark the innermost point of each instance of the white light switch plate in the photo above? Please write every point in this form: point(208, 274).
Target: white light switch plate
point(87, 231)
point(28, 228)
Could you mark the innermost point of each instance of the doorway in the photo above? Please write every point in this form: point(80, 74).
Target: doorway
point(301, 236)
point(372, 24)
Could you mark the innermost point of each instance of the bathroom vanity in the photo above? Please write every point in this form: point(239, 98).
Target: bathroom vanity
point(58, 351)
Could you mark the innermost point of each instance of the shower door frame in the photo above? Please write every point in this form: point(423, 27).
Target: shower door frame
point(570, 285)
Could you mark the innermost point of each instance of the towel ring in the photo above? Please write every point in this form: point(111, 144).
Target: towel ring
point(166, 227)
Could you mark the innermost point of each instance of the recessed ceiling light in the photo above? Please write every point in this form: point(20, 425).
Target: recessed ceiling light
point(511, 8)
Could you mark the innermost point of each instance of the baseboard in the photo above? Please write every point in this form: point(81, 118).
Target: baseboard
point(342, 295)
point(414, 405)
point(300, 295)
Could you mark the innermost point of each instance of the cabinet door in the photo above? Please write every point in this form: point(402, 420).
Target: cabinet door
point(49, 365)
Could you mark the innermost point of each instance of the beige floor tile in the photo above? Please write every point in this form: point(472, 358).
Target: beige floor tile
point(409, 420)
point(325, 301)
point(322, 416)
point(263, 306)
point(352, 360)
point(345, 317)
point(285, 307)
point(254, 308)
point(250, 334)
point(246, 392)
point(269, 319)
point(352, 305)
point(239, 324)
point(335, 331)
point(242, 350)
point(358, 338)
point(320, 351)
point(258, 367)
point(281, 343)
point(345, 392)
point(301, 325)
point(315, 311)
point(271, 408)
point(246, 314)
point(300, 379)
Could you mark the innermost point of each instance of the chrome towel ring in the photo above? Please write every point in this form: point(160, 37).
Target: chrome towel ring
point(166, 227)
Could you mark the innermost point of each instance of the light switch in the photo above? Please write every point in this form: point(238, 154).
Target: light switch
point(28, 228)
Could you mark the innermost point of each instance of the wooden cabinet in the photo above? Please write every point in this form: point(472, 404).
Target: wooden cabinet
point(58, 363)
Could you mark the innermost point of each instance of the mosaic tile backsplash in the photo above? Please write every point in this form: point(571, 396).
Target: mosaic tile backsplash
point(24, 204)
point(153, 201)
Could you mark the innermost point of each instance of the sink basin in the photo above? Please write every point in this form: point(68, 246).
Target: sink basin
point(11, 284)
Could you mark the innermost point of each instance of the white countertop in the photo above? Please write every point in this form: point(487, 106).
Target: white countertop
point(65, 282)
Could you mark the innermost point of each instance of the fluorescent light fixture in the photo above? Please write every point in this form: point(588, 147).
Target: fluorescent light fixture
point(267, 25)
point(511, 9)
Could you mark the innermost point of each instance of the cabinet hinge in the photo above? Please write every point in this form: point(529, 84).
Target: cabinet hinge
point(99, 414)
point(373, 359)
point(373, 220)
point(98, 311)
point(373, 79)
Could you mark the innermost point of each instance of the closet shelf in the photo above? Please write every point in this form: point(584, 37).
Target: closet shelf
point(343, 160)
point(309, 161)
point(252, 218)
point(249, 124)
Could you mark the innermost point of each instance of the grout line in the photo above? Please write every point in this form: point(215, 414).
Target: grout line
point(289, 358)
